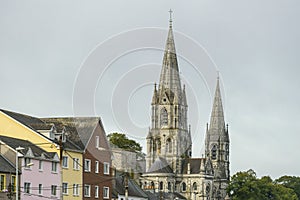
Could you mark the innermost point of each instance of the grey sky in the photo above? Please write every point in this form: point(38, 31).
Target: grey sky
point(255, 44)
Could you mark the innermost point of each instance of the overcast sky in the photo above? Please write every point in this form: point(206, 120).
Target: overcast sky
point(46, 45)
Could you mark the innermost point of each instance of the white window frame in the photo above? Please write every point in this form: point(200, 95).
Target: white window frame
point(87, 165)
point(40, 190)
point(52, 167)
point(97, 166)
point(107, 190)
point(97, 142)
point(96, 191)
point(27, 161)
point(65, 162)
point(76, 163)
point(41, 165)
point(75, 189)
point(54, 190)
point(106, 168)
point(88, 190)
point(27, 185)
point(65, 190)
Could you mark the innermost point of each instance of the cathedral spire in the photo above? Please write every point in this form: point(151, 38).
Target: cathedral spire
point(217, 122)
point(169, 77)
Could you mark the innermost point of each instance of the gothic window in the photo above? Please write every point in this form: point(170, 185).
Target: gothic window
point(227, 152)
point(169, 145)
point(158, 145)
point(195, 186)
point(169, 186)
point(161, 185)
point(214, 152)
point(163, 117)
point(183, 187)
point(207, 188)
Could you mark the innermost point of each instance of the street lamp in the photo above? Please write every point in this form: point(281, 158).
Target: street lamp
point(126, 175)
point(17, 170)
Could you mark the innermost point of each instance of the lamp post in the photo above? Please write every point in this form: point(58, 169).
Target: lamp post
point(17, 171)
point(126, 173)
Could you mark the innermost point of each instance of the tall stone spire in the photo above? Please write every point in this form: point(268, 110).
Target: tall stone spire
point(217, 143)
point(217, 116)
point(169, 77)
point(169, 136)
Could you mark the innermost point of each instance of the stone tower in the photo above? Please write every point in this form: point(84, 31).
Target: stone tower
point(217, 145)
point(169, 136)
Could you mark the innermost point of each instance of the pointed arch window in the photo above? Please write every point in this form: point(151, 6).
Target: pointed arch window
point(163, 117)
point(214, 152)
point(169, 145)
point(194, 186)
point(161, 185)
point(183, 187)
point(169, 186)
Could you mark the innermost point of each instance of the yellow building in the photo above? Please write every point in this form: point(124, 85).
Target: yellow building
point(46, 135)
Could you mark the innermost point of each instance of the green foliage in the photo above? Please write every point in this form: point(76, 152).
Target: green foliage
point(246, 186)
point(291, 182)
point(121, 141)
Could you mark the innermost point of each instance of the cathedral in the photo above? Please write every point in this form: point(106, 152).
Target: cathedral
point(170, 168)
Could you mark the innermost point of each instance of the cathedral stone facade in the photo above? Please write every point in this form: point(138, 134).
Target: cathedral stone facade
point(169, 165)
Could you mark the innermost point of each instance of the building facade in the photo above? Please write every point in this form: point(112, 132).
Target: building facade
point(169, 165)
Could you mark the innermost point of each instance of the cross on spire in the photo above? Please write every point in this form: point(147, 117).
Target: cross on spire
point(170, 20)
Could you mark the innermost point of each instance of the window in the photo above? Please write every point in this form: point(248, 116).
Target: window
point(169, 145)
point(214, 152)
point(163, 117)
point(65, 188)
point(87, 165)
point(161, 185)
point(96, 166)
point(96, 191)
point(2, 182)
point(53, 190)
point(106, 168)
point(183, 187)
point(40, 165)
point(40, 189)
point(195, 186)
point(87, 190)
point(54, 167)
point(169, 186)
point(65, 161)
point(97, 142)
point(75, 190)
point(106, 192)
point(27, 188)
point(13, 183)
point(76, 163)
point(27, 162)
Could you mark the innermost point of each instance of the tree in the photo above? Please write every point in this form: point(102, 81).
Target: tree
point(122, 141)
point(245, 185)
point(291, 182)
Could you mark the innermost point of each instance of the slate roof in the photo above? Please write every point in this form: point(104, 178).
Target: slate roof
point(6, 166)
point(133, 189)
point(194, 165)
point(37, 151)
point(78, 129)
point(160, 166)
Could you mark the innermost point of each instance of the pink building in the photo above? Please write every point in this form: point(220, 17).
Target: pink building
point(40, 170)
